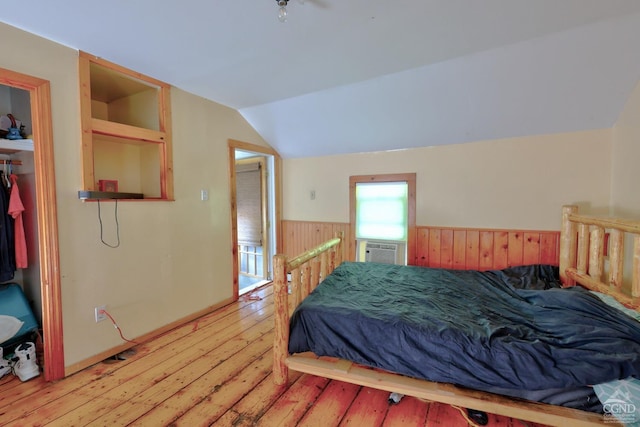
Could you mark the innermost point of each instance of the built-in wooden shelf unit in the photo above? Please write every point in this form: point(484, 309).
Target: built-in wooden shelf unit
point(126, 130)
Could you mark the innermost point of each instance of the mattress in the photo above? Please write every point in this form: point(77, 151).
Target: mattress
point(512, 331)
point(14, 303)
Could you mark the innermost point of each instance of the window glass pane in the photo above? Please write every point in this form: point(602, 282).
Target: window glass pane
point(381, 211)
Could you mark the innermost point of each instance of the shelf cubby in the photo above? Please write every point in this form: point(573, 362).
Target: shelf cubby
point(126, 129)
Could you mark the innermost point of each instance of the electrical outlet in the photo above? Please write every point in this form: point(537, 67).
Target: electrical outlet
point(100, 314)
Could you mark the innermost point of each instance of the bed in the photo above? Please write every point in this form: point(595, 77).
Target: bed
point(550, 368)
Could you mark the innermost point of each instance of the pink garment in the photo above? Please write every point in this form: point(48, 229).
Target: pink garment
point(15, 210)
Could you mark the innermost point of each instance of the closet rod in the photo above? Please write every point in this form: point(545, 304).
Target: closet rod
point(12, 162)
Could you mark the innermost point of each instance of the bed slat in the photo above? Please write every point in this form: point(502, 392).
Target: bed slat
point(596, 253)
point(583, 248)
point(616, 258)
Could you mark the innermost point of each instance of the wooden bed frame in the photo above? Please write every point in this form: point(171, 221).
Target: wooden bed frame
point(584, 244)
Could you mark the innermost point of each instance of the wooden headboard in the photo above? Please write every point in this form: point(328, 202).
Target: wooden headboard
point(586, 242)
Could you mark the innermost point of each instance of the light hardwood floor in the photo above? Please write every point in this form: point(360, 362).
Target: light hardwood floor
point(213, 371)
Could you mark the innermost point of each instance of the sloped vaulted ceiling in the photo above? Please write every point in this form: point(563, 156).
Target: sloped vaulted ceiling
point(366, 75)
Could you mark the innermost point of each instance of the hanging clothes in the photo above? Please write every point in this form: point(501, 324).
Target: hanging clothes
point(16, 208)
point(7, 249)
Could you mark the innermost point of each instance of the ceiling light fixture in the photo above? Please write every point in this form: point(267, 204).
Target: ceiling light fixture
point(282, 12)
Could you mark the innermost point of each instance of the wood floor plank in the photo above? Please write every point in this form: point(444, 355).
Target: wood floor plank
point(139, 378)
point(330, 407)
point(222, 396)
point(408, 412)
point(294, 403)
point(183, 348)
point(156, 386)
point(445, 415)
point(501, 421)
point(12, 389)
point(81, 418)
point(26, 399)
point(29, 405)
point(369, 408)
point(251, 407)
point(22, 401)
point(172, 401)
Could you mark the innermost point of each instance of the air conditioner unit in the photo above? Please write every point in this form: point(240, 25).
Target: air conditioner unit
point(380, 251)
point(384, 251)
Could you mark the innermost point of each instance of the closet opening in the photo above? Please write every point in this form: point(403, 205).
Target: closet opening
point(26, 165)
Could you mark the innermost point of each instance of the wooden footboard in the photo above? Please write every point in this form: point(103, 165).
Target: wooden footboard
point(582, 259)
point(306, 270)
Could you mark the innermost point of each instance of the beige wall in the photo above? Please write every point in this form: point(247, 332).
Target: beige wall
point(509, 183)
point(175, 257)
point(625, 174)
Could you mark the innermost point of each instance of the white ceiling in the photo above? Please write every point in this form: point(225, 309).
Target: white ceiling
point(345, 76)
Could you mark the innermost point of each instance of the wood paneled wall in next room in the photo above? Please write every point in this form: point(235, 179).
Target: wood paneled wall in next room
point(445, 247)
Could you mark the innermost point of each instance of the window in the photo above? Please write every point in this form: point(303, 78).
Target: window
point(396, 221)
point(381, 211)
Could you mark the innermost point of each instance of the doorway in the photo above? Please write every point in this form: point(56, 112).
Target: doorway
point(252, 213)
point(253, 173)
point(46, 217)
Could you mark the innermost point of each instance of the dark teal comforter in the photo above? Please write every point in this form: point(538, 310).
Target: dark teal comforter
point(509, 329)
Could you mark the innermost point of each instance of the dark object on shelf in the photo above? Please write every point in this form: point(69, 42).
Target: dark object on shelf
point(95, 195)
point(14, 131)
point(478, 417)
point(108, 185)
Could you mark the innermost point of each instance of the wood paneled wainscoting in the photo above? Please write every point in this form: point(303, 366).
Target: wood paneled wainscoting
point(445, 247)
point(485, 249)
point(300, 236)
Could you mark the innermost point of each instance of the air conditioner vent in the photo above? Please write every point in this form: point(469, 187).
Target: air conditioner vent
point(381, 252)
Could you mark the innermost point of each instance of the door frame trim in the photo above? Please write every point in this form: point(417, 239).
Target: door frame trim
point(46, 204)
